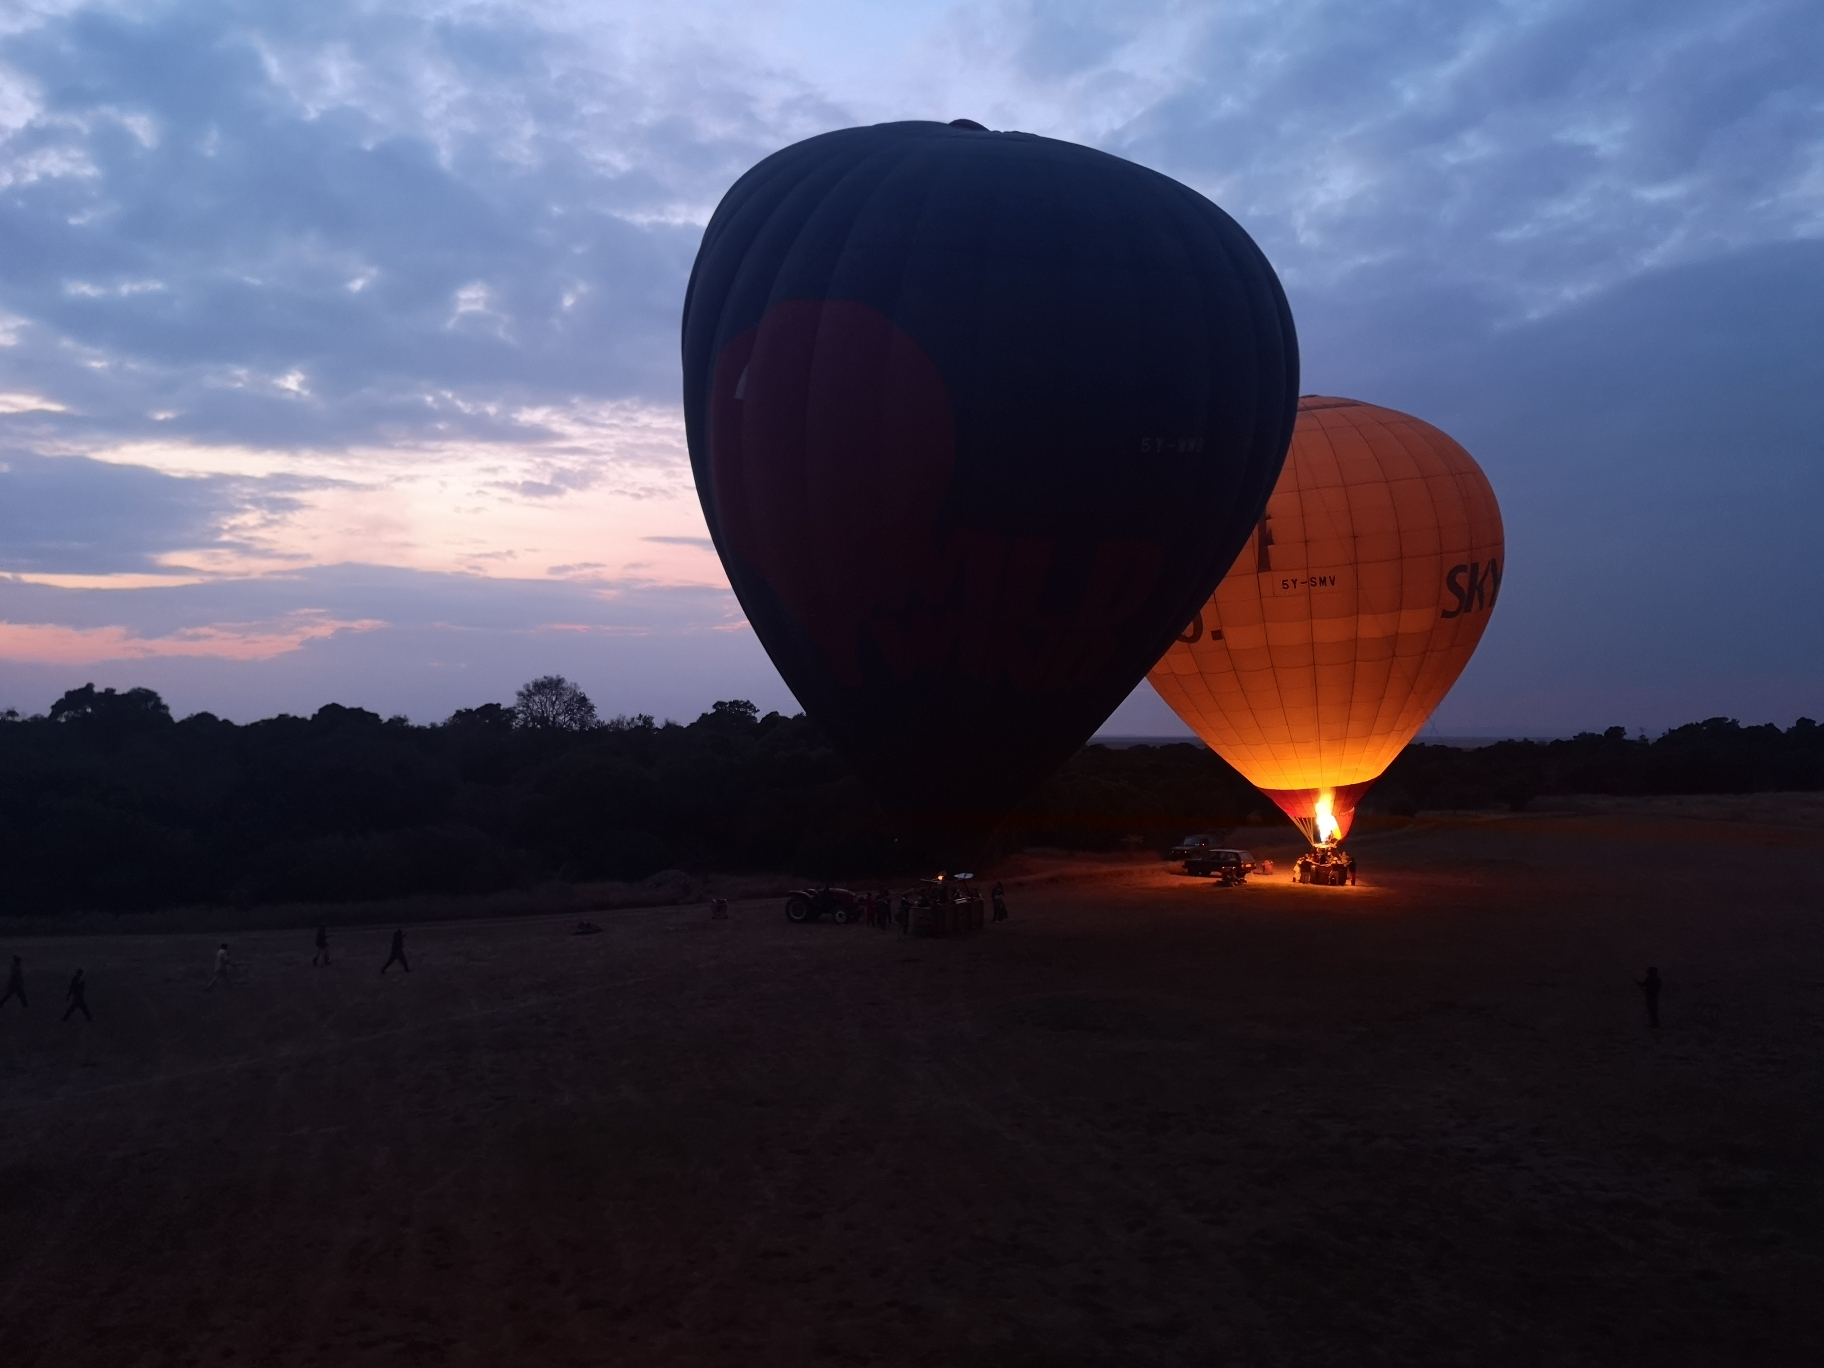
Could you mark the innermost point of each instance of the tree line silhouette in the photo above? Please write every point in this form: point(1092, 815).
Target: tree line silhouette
point(1718, 755)
point(107, 802)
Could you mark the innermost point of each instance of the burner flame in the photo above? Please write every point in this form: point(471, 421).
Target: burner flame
point(1328, 830)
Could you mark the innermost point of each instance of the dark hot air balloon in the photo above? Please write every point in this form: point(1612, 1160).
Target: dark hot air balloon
point(978, 421)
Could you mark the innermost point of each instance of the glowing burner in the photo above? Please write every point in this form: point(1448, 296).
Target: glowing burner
point(1329, 831)
point(1323, 814)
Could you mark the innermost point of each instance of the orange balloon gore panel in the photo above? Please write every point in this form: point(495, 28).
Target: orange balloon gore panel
point(1348, 615)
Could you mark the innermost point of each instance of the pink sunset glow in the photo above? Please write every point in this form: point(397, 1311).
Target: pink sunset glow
point(50, 644)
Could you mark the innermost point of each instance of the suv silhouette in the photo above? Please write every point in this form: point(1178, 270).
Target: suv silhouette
point(1192, 846)
point(1227, 866)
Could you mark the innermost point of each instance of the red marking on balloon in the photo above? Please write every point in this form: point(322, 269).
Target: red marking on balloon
point(831, 464)
point(832, 444)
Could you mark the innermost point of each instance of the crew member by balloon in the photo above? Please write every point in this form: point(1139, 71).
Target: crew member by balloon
point(1348, 615)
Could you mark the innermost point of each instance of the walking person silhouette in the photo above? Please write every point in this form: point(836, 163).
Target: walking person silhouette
point(1649, 987)
point(15, 984)
point(221, 969)
point(77, 995)
point(322, 955)
point(398, 953)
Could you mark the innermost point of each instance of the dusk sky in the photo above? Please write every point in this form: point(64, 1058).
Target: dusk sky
point(339, 342)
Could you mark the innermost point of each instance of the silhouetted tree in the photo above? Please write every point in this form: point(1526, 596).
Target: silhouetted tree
point(488, 717)
point(134, 710)
point(620, 722)
point(552, 702)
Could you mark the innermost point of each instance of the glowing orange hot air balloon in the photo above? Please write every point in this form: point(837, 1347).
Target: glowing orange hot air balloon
point(1349, 614)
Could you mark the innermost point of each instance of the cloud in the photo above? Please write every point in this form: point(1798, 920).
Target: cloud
point(41, 643)
point(286, 290)
point(286, 229)
point(395, 641)
point(84, 516)
point(580, 484)
point(29, 403)
point(306, 228)
point(1526, 153)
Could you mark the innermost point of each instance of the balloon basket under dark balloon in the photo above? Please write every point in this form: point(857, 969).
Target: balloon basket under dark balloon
point(947, 917)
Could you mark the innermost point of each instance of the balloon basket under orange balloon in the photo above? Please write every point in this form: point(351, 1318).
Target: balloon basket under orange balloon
point(1328, 865)
point(1323, 814)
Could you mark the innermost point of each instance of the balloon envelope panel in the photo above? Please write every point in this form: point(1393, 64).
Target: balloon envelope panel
point(1350, 612)
point(977, 420)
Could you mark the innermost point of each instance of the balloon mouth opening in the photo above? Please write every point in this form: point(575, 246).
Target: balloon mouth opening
point(1323, 819)
point(1325, 814)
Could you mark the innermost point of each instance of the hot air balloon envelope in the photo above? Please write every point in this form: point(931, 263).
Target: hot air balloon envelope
point(1348, 615)
point(977, 420)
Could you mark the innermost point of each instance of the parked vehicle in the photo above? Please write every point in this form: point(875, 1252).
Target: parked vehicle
point(1225, 866)
point(1191, 846)
point(810, 904)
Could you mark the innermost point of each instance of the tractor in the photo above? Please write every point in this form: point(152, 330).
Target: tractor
point(810, 904)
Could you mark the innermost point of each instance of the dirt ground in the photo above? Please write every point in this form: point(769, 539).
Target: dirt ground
point(1420, 1121)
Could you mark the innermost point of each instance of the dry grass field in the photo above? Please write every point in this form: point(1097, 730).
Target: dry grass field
point(1148, 1121)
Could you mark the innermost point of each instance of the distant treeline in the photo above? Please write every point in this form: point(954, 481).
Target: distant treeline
point(1716, 756)
point(107, 802)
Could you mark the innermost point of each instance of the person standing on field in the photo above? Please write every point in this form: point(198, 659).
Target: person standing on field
point(77, 995)
point(322, 955)
point(15, 984)
point(1000, 903)
point(398, 953)
point(221, 969)
point(1649, 987)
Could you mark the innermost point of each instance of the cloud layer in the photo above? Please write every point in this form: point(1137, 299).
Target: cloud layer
point(294, 300)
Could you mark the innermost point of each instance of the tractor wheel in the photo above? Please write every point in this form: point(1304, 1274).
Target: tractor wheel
point(841, 916)
point(797, 909)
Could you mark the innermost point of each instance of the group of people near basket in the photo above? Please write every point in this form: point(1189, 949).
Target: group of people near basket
point(878, 910)
point(1325, 865)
